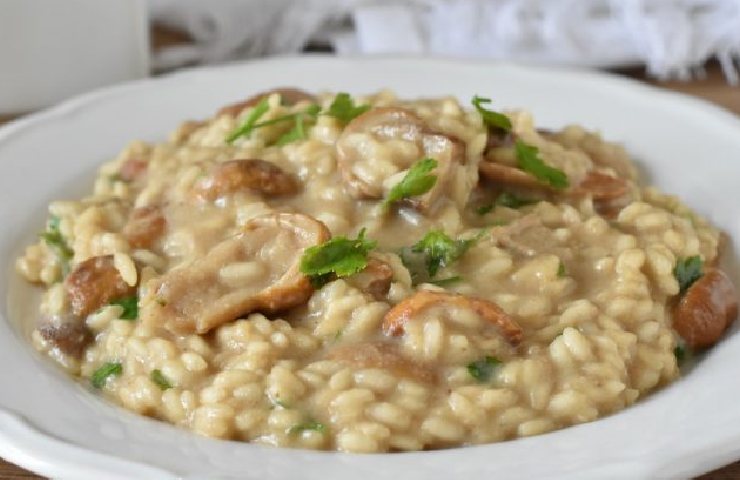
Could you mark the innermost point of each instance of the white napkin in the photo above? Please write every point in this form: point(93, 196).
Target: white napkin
point(674, 38)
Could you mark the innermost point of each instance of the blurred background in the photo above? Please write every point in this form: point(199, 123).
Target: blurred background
point(53, 49)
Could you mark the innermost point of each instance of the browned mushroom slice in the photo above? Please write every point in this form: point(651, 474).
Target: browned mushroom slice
point(363, 171)
point(382, 355)
point(256, 270)
point(288, 96)
point(411, 307)
point(706, 310)
point(509, 176)
point(144, 226)
point(601, 187)
point(250, 174)
point(94, 283)
point(374, 279)
point(69, 335)
point(133, 169)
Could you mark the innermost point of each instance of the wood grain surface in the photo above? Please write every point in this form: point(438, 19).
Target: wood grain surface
point(712, 87)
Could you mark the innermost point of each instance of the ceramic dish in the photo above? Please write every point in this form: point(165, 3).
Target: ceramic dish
point(56, 427)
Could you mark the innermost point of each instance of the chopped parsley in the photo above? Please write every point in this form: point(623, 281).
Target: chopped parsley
point(417, 181)
point(505, 199)
point(130, 307)
point(101, 375)
point(248, 125)
point(296, 133)
point(687, 271)
point(491, 118)
point(482, 370)
point(528, 160)
point(343, 108)
point(55, 240)
point(440, 250)
point(160, 380)
point(680, 353)
point(309, 425)
point(561, 269)
point(340, 256)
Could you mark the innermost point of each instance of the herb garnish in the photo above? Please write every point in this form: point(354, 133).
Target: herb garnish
point(687, 271)
point(249, 123)
point(55, 240)
point(680, 353)
point(160, 380)
point(528, 160)
point(343, 108)
point(561, 269)
point(340, 256)
point(505, 199)
point(417, 181)
point(296, 133)
point(310, 425)
point(490, 118)
point(130, 307)
point(440, 250)
point(101, 375)
point(482, 370)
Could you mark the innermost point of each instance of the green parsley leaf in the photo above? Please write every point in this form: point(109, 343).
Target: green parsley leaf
point(490, 118)
point(55, 240)
point(130, 307)
point(309, 425)
point(505, 199)
point(443, 282)
point(440, 250)
point(343, 108)
point(160, 380)
point(340, 256)
point(100, 376)
point(687, 271)
point(248, 125)
point(294, 134)
point(680, 353)
point(482, 370)
point(417, 181)
point(528, 160)
point(561, 269)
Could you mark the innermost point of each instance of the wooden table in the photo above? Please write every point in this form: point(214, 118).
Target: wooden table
point(712, 88)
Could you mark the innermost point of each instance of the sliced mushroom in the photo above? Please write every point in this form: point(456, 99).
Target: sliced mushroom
point(256, 270)
point(133, 169)
point(145, 225)
point(69, 335)
point(288, 96)
point(382, 355)
point(609, 193)
point(358, 144)
point(250, 174)
point(374, 279)
point(413, 306)
point(706, 310)
point(94, 283)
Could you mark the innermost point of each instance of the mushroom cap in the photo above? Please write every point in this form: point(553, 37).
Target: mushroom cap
point(392, 126)
point(288, 96)
point(93, 283)
point(706, 310)
point(411, 307)
point(246, 174)
point(215, 289)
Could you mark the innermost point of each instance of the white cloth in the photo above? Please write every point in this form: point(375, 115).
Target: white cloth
point(674, 38)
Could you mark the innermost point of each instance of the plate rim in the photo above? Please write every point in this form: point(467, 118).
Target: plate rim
point(40, 452)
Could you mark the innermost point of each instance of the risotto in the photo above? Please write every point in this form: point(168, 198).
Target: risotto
point(373, 274)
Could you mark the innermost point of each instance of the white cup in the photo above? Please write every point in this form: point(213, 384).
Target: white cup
point(53, 49)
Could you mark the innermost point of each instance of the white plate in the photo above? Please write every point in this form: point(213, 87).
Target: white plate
point(55, 427)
